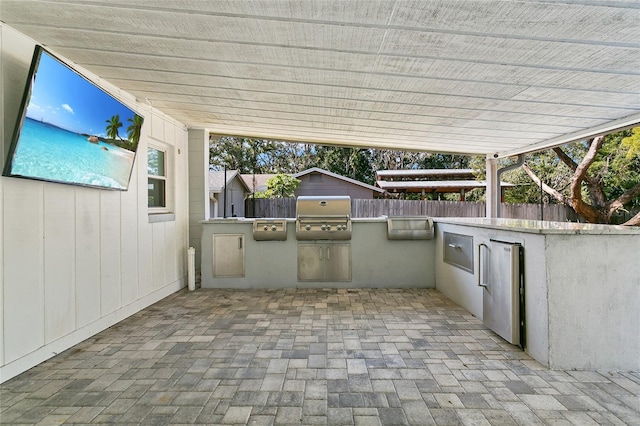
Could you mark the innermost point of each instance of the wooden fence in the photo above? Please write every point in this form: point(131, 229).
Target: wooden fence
point(286, 207)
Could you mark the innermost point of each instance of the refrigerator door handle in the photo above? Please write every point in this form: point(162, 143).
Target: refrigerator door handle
point(480, 268)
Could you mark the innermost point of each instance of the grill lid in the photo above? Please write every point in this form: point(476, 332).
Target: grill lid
point(323, 218)
point(312, 205)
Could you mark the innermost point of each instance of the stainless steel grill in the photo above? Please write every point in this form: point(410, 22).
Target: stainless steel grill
point(323, 218)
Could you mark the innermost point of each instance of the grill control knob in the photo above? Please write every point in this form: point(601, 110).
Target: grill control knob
point(308, 227)
point(265, 227)
point(273, 228)
point(328, 227)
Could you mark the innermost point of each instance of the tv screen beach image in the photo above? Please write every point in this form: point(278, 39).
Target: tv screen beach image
point(74, 132)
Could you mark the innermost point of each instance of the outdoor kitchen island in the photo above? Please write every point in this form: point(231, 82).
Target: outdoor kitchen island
point(372, 260)
point(582, 282)
point(581, 286)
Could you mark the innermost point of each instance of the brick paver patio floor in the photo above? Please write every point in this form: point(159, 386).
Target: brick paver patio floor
point(310, 356)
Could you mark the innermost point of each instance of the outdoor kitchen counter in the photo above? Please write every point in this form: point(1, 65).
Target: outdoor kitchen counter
point(379, 219)
point(375, 260)
point(542, 227)
point(582, 287)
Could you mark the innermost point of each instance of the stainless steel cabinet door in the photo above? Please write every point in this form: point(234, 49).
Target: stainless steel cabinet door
point(500, 266)
point(338, 262)
point(311, 262)
point(228, 255)
point(324, 262)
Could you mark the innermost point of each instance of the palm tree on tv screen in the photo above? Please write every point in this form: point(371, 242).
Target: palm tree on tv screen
point(114, 124)
point(133, 131)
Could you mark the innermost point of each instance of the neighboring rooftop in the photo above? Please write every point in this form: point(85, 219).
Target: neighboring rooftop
point(217, 179)
point(430, 180)
point(435, 185)
point(256, 182)
point(419, 173)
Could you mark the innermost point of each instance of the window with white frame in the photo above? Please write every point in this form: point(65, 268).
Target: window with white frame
point(158, 179)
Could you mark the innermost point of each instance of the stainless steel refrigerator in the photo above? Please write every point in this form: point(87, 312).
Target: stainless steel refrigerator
point(502, 277)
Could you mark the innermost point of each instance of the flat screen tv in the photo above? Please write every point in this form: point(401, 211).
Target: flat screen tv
point(71, 131)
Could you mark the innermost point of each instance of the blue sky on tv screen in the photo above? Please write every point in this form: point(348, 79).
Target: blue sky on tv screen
point(65, 99)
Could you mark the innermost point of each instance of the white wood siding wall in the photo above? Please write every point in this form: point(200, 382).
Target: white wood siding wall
point(77, 260)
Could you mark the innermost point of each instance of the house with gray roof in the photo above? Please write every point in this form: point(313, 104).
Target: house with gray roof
point(226, 196)
point(317, 181)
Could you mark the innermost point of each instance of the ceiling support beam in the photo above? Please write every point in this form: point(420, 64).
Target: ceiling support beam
point(603, 129)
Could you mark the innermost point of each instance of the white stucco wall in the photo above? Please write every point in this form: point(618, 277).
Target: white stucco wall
point(77, 260)
point(594, 301)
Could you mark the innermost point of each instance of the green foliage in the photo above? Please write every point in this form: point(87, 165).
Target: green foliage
point(617, 166)
point(476, 194)
point(282, 186)
point(548, 167)
point(631, 143)
point(444, 161)
point(478, 164)
point(263, 156)
point(354, 163)
point(616, 169)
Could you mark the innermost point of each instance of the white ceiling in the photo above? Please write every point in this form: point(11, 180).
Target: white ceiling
point(458, 76)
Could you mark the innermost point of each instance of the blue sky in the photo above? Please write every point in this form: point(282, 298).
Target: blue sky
point(62, 97)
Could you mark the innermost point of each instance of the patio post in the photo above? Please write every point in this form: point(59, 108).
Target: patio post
point(492, 191)
point(198, 186)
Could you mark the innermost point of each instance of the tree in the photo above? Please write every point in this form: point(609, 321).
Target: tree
point(113, 124)
point(134, 129)
point(445, 161)
point(353, 163)
point(265, 156)
point(605, 180)
point(256, 155)
point(282, 186)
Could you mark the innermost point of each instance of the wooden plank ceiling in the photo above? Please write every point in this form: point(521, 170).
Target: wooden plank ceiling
point(466, 76)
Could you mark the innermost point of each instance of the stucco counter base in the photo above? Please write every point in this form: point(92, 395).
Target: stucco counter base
point(376, 262)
